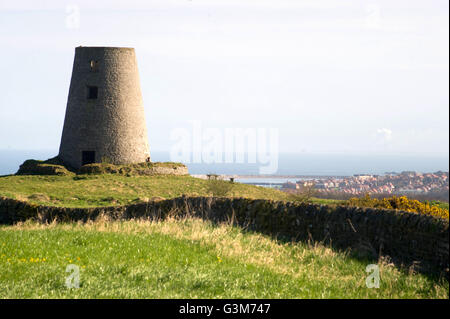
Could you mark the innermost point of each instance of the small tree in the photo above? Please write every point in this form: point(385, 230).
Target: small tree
point(304, 194)
point(217, 187)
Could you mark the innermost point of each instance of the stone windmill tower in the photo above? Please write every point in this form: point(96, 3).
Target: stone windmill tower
point(105, 113)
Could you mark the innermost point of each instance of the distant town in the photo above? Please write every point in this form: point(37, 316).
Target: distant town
point(413, 184)
point(389, 183)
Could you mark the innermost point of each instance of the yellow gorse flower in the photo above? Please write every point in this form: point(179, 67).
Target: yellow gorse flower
point(400, 203)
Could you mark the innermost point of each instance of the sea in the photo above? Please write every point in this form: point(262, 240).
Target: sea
point(289, 165)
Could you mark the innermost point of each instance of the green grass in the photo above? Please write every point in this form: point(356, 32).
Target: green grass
point(174, 258)
point(443, 205)
point(186, 258)
point(109, 190)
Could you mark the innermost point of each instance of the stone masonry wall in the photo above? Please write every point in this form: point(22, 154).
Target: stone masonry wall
point(113, 125)
point(406, 237)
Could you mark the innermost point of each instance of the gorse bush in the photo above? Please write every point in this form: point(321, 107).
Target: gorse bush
point(400, 203)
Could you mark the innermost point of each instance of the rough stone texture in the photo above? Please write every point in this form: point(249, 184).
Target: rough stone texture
point(176, 170)
point(135, 169)
point(113, 125)
point(407, 238)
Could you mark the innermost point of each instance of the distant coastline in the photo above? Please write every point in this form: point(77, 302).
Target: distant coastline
point(302, 165)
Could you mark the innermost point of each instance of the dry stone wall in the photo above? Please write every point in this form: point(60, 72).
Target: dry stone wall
point(407, 238)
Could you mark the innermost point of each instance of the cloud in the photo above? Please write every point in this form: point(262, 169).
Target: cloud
point(385, 134)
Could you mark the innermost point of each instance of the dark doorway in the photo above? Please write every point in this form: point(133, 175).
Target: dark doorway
point(87, 157)
point(92, 92)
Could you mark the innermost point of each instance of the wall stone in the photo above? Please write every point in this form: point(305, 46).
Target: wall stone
point(407, 238)
point(176, 170)
point(135, 169)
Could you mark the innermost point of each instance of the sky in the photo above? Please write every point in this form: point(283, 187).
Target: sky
point(360, 77)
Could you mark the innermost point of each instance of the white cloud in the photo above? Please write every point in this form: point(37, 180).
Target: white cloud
point(385, 134)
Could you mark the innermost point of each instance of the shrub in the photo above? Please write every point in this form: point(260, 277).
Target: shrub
point(400, 203)
point(304, 195)
point(219, 188)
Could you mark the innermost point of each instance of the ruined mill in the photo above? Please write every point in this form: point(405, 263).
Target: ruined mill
point(104, 118)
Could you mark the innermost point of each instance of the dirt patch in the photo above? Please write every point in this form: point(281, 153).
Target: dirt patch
point(39, 197)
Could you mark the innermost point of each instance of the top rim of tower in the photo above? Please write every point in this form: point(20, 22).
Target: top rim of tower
point(102, 47)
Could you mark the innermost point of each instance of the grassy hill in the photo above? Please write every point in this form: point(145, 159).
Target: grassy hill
point(187, 258)
point(110, 189)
